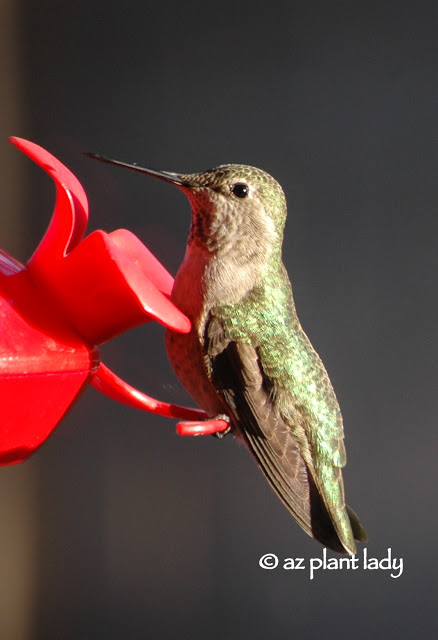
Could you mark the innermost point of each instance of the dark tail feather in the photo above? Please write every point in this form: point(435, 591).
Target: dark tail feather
point(358, 530)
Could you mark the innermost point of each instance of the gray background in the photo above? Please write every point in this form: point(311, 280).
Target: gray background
point(139, 533)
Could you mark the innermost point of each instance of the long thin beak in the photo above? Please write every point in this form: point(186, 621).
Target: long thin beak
point(167, 176)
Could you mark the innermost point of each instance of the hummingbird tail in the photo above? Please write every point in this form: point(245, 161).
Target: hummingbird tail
point(358, 531)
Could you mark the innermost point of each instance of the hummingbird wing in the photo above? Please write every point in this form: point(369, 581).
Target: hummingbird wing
point(237, 374)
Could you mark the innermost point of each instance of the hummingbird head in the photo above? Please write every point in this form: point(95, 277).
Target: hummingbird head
point(235, 208)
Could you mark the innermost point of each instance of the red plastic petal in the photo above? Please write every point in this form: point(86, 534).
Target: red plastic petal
point(104, 289)
point(152, 267)
point(70, 216)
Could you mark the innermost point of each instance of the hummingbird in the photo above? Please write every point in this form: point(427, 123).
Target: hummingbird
point(247, 357)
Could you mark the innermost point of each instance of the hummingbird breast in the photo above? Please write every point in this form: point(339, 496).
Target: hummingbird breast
point(193, 296)
point(207, 279)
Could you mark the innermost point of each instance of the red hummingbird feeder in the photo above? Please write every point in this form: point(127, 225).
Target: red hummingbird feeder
point(74, 294)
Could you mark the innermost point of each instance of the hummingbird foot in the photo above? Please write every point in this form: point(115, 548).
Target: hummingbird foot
point(222, 417)
point(218, 426)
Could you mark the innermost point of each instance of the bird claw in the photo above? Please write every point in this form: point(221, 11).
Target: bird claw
point(222, 418)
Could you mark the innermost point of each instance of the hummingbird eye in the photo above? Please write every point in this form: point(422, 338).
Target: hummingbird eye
point(240, 190)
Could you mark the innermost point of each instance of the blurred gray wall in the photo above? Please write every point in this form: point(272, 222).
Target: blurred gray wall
point(144, 534)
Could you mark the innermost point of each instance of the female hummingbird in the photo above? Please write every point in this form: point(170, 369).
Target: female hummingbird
point(247, 356)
